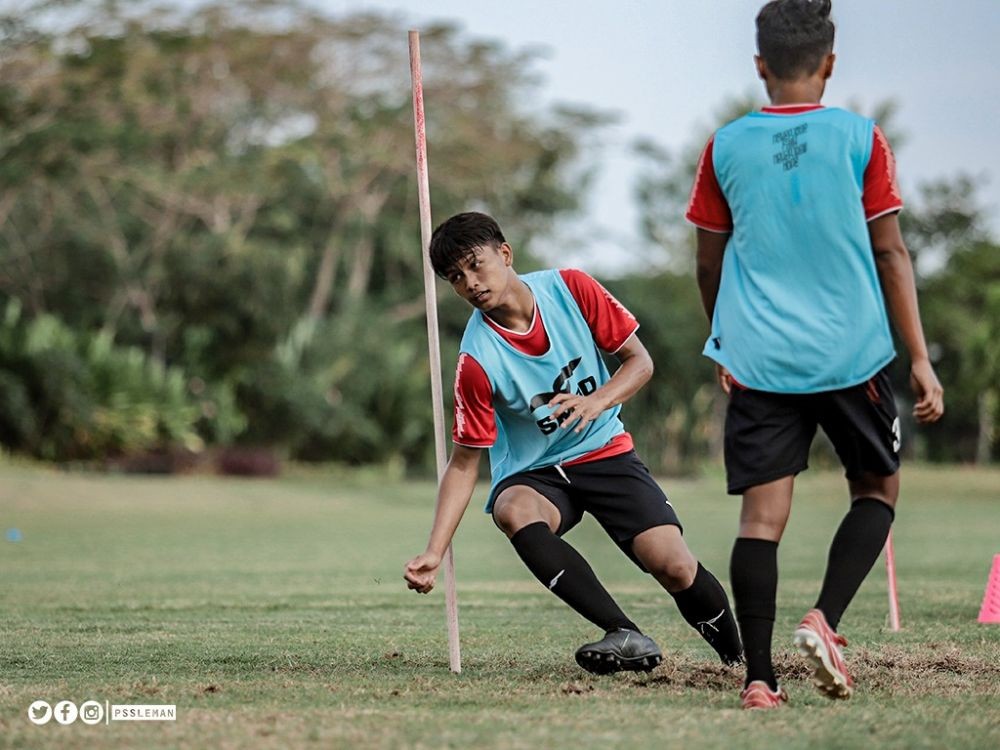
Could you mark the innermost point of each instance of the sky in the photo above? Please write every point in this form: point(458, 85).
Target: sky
point(666, 65)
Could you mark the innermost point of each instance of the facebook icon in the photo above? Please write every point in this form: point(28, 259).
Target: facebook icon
point(65, 712)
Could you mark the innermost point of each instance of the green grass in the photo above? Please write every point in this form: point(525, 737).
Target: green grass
point(273, 614)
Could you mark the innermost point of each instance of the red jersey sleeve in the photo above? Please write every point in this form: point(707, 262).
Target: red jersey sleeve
point(881, 190)
point(475, 425)
point(707, 206)
point(608, 319)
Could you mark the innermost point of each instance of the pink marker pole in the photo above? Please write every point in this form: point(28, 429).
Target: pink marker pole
point(890, 569)
point(433, 341)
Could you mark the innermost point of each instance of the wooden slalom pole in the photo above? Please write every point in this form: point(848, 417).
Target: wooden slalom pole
point(433, 341)
point(890, 570)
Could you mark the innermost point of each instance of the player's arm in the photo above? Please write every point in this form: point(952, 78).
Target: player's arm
point(895, 271)
point(453, 498)
point(635, 371)
point(709, 211)
point(711, 249)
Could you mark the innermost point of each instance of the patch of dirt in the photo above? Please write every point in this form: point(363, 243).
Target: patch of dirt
point(146, 688)
point(576, 688)
point(917, 670)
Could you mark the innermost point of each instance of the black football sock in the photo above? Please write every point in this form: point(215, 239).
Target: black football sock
point(853, 552)
point(705, 606)
point(753, 571)
point(567, 575)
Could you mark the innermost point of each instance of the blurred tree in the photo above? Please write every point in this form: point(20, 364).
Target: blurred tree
point(960, 304)
point(231, 188)
point(664, 186)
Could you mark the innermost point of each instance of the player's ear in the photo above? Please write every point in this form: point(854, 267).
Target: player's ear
point(507, 253)
point(827, 65)
point(762, 72)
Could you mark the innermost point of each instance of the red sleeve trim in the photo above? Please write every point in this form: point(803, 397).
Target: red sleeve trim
point(881, 189)
point(893, 210)
point(474, 424)
point(707, 206)
point(713, 230)
point(610, 322)
point(618, 349)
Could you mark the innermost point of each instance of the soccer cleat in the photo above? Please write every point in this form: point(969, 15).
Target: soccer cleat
point(817, 641)
point(619, 650)
point(759, 695)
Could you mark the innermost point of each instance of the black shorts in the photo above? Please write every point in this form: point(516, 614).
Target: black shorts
point(618, 491)
point(768, 435)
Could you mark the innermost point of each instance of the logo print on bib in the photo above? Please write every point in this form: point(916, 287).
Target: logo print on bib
point(791, 149)
point(561, 384)
point(558, 385)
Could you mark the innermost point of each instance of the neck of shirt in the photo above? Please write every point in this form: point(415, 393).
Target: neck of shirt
point(790, 109)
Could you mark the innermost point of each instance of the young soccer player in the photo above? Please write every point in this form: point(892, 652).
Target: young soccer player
point(531, 387)
point(799, 250)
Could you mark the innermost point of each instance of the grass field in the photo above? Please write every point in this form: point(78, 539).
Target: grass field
point(273, 614)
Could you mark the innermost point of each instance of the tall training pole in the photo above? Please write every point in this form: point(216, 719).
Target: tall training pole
point(890, 570)
point(434, 344)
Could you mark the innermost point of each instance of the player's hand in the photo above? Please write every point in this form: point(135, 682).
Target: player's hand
point(576, 410)
point(930, 395)
point(725, 379)
point(421, 571)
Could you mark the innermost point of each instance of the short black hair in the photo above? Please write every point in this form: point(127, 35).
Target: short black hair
point(793, 36)
point(458, 238)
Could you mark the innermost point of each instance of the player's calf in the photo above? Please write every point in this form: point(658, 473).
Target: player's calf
point(705, 607)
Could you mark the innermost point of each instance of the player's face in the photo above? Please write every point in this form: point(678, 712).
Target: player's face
point(482, 277)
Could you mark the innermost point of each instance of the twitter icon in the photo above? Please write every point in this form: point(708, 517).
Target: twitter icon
point(39, 712)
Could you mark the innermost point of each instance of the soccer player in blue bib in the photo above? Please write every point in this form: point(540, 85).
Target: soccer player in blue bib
point(799, 250)
point(532, 389)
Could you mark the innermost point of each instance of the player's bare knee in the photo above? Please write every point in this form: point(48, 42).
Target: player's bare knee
point(675, 574)
point(506, 518)
point(885, 489)
point(762, 528)
point(514, 509)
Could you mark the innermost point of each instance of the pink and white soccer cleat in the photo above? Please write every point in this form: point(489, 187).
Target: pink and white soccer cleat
point(758, 695)
point(817, 641)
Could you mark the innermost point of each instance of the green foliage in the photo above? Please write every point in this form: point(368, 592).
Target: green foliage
point(962, 307)
point(674, 419)
point(208, 185)
point(228, 191)
point(71, 396)
point(356, 386)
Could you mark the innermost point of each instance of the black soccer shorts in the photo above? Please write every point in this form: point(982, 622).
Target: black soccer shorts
point(619, 492)
point(768, 435)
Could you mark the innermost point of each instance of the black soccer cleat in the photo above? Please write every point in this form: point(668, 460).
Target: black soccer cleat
point(620, 650)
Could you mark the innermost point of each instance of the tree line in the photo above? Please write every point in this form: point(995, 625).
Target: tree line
point(209, 236)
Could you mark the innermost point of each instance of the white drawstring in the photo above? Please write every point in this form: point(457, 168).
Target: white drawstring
point(562, 473)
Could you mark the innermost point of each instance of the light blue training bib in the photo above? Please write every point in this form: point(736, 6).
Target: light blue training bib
point(527, 436)
point(800, 308)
